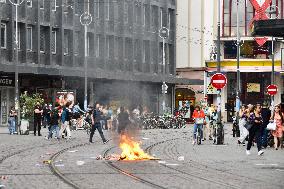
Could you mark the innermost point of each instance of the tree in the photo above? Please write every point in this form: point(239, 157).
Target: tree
point(27, 103)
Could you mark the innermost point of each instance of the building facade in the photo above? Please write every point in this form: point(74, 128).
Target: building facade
point(197, 53)
point(194, 41)
point(123, 54)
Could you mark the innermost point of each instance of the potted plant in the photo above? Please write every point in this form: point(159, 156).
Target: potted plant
point(27, 103)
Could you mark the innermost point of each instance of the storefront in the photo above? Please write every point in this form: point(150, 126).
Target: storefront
point(7, 94)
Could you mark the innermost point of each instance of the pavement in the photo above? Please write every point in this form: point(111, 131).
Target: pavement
point(180, 164)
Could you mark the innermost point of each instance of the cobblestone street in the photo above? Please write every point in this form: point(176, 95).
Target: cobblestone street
point(181, 164)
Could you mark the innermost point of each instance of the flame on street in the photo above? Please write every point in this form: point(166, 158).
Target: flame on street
point(131, 150)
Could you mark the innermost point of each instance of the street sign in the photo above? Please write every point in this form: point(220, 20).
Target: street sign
point(86, 18)
point(164, 32)
point(272, 90)
point(218, 80)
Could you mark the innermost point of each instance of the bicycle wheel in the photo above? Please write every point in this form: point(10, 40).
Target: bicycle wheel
point(198, 137)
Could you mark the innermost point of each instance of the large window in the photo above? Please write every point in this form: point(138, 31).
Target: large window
point(3, 35)
point(41, 4)
point(77, 42)
point(42, 39)
point(54, 5)
point(29, 3)
point(66, 42)
point(246, 14)
point(107, 9)
point(53, 41)
point(29, 38)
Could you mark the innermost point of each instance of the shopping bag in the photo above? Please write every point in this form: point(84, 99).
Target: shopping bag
point(271, 126)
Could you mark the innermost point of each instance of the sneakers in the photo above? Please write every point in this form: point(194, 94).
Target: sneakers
point(260, 153)
point(193, 142)
point(106, 141)
point(247, 152)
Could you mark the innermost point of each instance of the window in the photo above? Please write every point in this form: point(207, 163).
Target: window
point(41, 4)
point(30, 3)
point(66, 42)
point(29, 38)
point(97, 9)
point(161, 17)
point(126, 12)
point(54, 5)
point(3, 35)
point(171, 19)
point(107, 46)
point(90, 44)
point(53, 41)
point(42, 39)
point(98, 46)
point(77, 39)
point(107, 9)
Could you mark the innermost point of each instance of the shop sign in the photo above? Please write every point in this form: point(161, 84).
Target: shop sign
point(7, 81)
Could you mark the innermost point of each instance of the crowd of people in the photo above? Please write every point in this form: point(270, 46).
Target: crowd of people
point(253, 125)
point(253, 122)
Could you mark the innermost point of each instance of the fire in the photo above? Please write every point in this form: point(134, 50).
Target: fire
point(131, 150)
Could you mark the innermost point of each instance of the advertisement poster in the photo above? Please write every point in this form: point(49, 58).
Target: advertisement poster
point(64, 96)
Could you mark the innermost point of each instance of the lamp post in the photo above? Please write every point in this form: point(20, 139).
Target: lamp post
point(16, 3)
point(164, 34)
point(85, 20)
point(238, 67)
point(218, 60)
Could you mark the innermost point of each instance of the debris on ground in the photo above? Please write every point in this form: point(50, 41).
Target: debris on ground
point(59, 165)
point(46, 161)
point(3, 177)
point(80, 163)
point(144, 138)
point(181, 158)
point(2, 186)
point(162, 162)
point(72, 151)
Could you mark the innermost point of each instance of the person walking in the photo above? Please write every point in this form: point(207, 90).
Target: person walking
point(266, 115)
point(65, 121)
point(123, 120)
point(12, 120)
point(198, 116)
point(255, 120)
point(37, 118)
point(242, 121)
point(96, 123)
point(54, 123)
point(278, 118)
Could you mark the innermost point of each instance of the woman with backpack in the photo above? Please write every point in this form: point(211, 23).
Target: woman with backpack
point(199, 120)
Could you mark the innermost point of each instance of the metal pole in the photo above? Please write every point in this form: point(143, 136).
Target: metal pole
point(238, 67)
point(86, 67)
point(218, 60)
point(164, 82)
point(272, 73)
point(17, 106)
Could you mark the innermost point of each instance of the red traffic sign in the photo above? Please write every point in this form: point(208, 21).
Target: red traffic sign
point(272, 89)
point(218, 80)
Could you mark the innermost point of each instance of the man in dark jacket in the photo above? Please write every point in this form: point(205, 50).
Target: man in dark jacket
point(123, 120)
point(96, 123)
point(266, 114)
point(54, 123)
point(37, 118)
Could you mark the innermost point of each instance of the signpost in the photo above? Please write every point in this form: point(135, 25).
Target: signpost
point(164, 34)
point(219, 80)
point(272, 90)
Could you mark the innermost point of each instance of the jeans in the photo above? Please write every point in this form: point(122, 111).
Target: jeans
point(12, 124)
point(243, 131)
point(56, 129)
point(99, 127)
point(66, 126)
point(264, 136)
point(195, 130)
point(37, 126)
point(255, 132)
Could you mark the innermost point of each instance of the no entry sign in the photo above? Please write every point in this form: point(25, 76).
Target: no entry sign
point(272, 89)
point(218, 80)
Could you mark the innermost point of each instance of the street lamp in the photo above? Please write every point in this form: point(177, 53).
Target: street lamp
point(16, 3)
point(238, 67)
point(218, 60)
point(164, 34)
point(85, 20)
